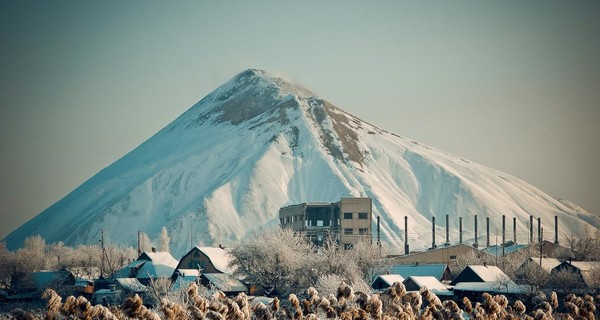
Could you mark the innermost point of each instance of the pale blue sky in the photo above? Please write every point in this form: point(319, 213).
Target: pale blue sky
point(514, 85)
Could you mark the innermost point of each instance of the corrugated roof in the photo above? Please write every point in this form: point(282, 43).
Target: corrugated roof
point(219, 258)
point(434, 270)
point(225, 282)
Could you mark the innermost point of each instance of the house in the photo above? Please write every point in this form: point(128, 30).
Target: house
point(440, 255)
point(438, 271)
point(385, 281)
point(129, 286)
point(84, 287)
point(415, 283)
point(481, 273)
point(535, 266)
point(588, 272)
point(183, 277)
point(347, 220)
point(42, 280)
point(223, 282)
point(149, 265)
point(207, 260)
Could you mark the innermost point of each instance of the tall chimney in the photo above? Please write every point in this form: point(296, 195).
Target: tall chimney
point(515, 230)
point(487, 230)
point(406, 248)
point(476, 244)
point(433, 232)
point(447, 230)
point(530, 229)
point(503, 233)
point(556, 229)
point(539, 229)
point(379, 232)
point(460, 230)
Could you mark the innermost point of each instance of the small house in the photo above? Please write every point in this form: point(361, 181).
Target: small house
point(207, 259)
point(481, 273)
point(149, 265)
point(588, 272)
point(223, 282)
point(415, 283)
point(385, 281)
point(438, 271)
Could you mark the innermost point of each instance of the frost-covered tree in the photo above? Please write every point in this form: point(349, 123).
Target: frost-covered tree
point(145, 242)
point(163, 240)
point(276, 260)
point(6, 265)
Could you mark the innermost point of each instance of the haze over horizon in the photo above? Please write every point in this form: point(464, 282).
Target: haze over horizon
point(513, 86)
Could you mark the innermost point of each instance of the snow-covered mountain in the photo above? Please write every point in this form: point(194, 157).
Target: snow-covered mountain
point(260, 142)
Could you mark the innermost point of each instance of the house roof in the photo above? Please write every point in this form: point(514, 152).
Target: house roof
point(219, 258)
point(430, 282)
point(390, 278)
point(131, 284)
point(547, 263)
point(585, 265)
point(43, 279)
point(225, 282)
point(492, 287)
point(489, 273)
point(149, 264)
point(434, 270)
point(497, 249)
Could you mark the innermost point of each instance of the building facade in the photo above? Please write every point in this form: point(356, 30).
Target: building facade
point(347, 220)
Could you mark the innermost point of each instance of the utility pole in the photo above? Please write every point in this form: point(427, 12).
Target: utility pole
point(541, 244)
point(139, 247)
point(103, 252)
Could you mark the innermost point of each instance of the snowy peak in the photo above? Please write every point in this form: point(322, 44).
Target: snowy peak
point(260, 142)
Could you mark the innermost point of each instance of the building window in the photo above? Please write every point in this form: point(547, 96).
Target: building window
point(319, 223)
point(347, 246)
point(347, 215)
point(362, 215)
point(281, 221)
point(363, 231)
point(452, 257)
point(347, 230)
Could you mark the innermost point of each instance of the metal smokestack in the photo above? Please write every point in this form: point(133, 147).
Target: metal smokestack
point(433, 232)
point(515, 230)
point(503, 233)
point(406, 248)
point(530, 229)
point(487, 230)
point(539, 229)
point(447, 230)
point(475, 244)
point(379, 232)
point(460, 230)
point(556, 229)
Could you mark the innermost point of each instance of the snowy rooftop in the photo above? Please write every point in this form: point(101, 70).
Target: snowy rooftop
point(225, 282)
point(431, 283)
point(219, 258)
point(391, 278)
point(547, 263)
point(434, 270)
point(131, 284)
point(497, 249)
point(491, 287)
point(585, 265)
point(489, 273)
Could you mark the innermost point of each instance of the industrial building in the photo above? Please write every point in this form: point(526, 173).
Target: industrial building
point(346, 220)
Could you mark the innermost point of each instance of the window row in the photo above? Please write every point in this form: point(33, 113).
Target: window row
point(361, 231)
point(361, 215)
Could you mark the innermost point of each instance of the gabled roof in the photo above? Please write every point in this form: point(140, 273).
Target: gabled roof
point(481, 273)
point(585, 265)
point(497, 249)
point(45, 279)
point(149, 264)
point(489, 273)
point(427, 281)
point(389, 279)
point(225, 282)
point(219, 258)
point(130, 284)
point(547, 263)
point(434, 270)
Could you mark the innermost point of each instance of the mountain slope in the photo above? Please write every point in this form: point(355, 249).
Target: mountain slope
point(260, 142)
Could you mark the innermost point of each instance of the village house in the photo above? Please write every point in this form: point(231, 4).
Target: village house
point(587, 272)
point(439, 271)
point(385, 281)
point(149, 265)
point(415, 283)
point(441, 255)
